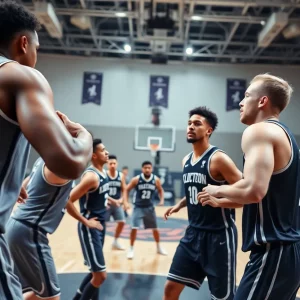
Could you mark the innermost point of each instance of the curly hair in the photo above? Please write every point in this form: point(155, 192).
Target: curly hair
point(210, 116)
point(15, 18)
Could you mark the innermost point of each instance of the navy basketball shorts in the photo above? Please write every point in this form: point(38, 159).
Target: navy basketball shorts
point(91, 241)
point(208, 254)
point(273, 272)
point(146, 215)
point(33, 261)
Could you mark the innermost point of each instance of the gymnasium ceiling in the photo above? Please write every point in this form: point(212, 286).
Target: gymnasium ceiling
point(217, 31)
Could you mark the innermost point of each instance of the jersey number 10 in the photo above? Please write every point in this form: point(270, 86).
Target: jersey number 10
point(193, 194)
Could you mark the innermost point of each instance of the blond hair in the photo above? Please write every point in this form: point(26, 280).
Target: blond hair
point(276, 89)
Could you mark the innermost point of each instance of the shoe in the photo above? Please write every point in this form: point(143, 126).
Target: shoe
point(116, 246)
point(161, 251)
point(130, 254)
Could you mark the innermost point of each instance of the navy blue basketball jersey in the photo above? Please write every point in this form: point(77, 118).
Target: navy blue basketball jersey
point(196, 176)
point(144, 191)
point(115, 185)
point(276, 219)
point(14, 153)
point(93, 203)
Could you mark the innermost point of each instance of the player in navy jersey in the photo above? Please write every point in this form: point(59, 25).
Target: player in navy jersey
point(117, 191)
point(145, 186)
point(269, 192)
point(208, 248)
point(92, 192)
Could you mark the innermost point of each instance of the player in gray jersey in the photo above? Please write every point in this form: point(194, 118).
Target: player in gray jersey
point(117, 191)
point(28, 227)
point(27, 116)
point(270, 193)
point(208, 248)
point(145, 186)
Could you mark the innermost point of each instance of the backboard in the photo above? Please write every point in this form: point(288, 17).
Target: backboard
point(146, 135)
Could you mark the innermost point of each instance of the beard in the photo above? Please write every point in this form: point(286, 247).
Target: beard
point(192, 140)
point(147, 176)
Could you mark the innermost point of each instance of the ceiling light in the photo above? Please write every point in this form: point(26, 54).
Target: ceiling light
point(196, 18)
point(127, 48)
point(120, 14)
point(189, 50)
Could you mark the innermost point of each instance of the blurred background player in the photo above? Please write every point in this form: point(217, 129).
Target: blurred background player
point(145, 186)
point(117, 192)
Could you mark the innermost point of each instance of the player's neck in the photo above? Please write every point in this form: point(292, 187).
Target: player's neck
point(199, 148)
point(97, 166)
point(266, 116)
point(112, 173)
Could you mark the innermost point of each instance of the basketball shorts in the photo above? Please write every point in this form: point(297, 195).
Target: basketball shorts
point(33, 261)
point(92, 241)
point(145, 214)
point(273, 272)
point(117, 213)
point(203, 254)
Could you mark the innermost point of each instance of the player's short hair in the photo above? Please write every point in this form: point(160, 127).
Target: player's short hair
point(112, 156)
point(15, 18)
point(210, 116)
point(125, 168)
point(96, 142)
point(147, 162)
point(276, 89)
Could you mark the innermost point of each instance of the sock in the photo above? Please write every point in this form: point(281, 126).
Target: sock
point(131, 248)
point(96, 295)
point(88, 292)
point(116, 240)
point(84, 282)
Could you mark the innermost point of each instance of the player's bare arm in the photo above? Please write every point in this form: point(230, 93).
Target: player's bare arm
point(124, 193)
point(131, 185)
point(160, 191)
point(89, 182)
point(66, 155)
point(222, 168)
point(257, 145)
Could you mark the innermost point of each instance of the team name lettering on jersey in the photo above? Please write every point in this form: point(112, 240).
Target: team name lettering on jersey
point(146, 186)
point(104, 188)
point(194, 178)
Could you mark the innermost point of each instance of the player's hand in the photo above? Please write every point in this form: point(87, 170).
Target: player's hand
point(72, 127)
point(160, 203)
point(126, 205)
point(206, 199)
point(93, 223)
point(211, 189)
point(22, 196)
point(171, 210)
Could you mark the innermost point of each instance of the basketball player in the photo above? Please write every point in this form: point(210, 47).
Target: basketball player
point(38, 216)
point(27, 116)
point(145, 185)
point(93, 194)
point(269, 192)
point(208, 248)
point(117, 191)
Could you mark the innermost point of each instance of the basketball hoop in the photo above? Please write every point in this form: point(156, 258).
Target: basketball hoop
point(153, 149)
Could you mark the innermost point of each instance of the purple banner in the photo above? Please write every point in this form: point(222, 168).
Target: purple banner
point(92, 88)
point(159, 90)
point(235, 93)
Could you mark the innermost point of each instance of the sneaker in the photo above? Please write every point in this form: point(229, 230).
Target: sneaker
point(130, 254)
point(161, 251)
point(116, 246)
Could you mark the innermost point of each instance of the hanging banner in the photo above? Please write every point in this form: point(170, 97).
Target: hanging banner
point(92, 88)
point(236, 89)
point(159, 90)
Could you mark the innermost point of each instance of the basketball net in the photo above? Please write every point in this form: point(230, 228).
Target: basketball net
point(153, 149)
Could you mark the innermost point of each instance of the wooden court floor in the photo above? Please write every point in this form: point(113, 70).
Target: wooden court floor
point(68, 256)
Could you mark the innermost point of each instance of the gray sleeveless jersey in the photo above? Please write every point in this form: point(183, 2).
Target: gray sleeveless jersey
point(14, 152)
point(45, 206)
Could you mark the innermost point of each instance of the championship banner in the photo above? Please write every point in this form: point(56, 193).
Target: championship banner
point(92, 88)
point(159, 90)
point(235, 93)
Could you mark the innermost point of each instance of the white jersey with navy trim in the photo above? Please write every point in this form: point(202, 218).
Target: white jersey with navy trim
point(45, 206)
point(14, 153)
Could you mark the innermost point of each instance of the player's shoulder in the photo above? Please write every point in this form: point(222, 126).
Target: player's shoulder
point(261, 130)
point(186, 157)
point(219, 156)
